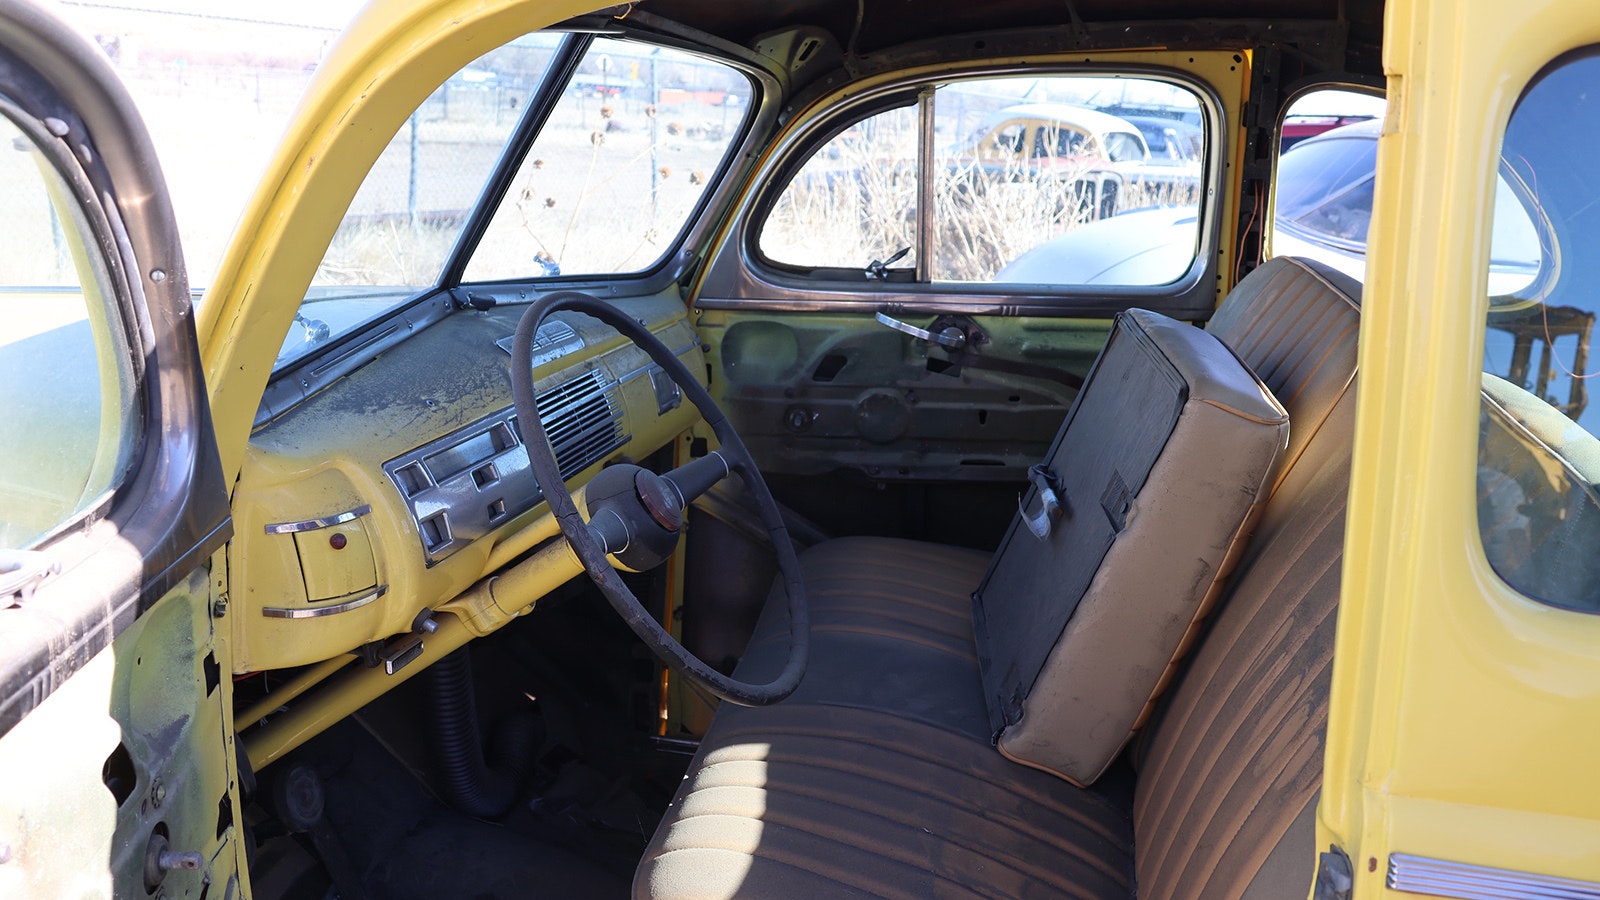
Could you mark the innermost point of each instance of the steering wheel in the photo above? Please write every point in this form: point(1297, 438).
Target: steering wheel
point(635, 516)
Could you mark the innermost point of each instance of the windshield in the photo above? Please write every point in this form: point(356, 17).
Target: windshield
point(408, 213)
point(626, 151)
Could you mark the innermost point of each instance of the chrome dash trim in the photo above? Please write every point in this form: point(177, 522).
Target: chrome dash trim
point(324, 522)
point(1441, 878)
point(349, 515)
point(317, 612)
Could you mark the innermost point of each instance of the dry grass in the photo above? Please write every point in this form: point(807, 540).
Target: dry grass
point(853, 204)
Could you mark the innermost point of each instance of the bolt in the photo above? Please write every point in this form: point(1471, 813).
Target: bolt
point(219, 607)
point(172, 860)
point(158, 793)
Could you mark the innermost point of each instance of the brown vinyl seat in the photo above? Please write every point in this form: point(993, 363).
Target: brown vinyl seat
point(879, 776)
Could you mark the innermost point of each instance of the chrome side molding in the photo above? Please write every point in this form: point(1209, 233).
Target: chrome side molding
point(1441, 878)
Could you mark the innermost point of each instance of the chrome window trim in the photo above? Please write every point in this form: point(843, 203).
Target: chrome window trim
point(739, 278)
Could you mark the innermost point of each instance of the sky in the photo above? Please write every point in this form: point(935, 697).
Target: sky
point(321, 13)
point(230, 64)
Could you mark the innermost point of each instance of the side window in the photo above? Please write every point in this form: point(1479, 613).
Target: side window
point(1044, 181)
point(854, 200)
point(1322, 191)
point(68, 424)
point(1538, 455)
point(624, 159)
point(1322, 186)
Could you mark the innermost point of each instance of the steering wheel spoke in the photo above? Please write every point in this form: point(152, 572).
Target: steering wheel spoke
point(636, 516)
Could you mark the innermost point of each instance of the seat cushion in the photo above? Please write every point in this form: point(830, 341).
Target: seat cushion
point(877, 776)
point(891, 630)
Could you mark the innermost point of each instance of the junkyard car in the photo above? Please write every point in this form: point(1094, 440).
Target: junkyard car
point(307, 588)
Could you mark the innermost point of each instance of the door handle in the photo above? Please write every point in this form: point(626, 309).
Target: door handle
point(951, 337)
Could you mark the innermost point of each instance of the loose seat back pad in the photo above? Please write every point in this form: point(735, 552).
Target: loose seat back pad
point(1167, 453)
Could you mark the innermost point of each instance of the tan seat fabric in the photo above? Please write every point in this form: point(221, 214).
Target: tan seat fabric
point(1078, 632)
point(877, 778)
point(1294, 322)
point(1236, 751)
point(1228, 763)
point(891, 630)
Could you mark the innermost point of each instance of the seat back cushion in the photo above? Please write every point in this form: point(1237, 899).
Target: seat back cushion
point(1232, 758)
point(1168, 450)
point(1234, 752)
point(1294, 323)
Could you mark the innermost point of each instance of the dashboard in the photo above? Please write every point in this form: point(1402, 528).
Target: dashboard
point(390, 491)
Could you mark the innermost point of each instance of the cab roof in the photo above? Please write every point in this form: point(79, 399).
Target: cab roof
point(864, 27)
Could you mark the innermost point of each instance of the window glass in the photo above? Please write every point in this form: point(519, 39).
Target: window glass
point(855, 199)
point(1037, 180)
point(1538, 457)
point(1322, 192)
point(1324, 168)
point(67, 392)
point(624, 159)
point(405, 218)
point(1090, 205)
point(1323, 180)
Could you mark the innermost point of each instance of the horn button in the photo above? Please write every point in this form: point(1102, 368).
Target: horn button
point(660, 499)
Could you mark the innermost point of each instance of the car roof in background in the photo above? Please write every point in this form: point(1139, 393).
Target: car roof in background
point(1087, 119)
point(1367, 129)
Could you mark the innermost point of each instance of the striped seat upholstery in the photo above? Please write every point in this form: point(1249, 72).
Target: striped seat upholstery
point(877, 778)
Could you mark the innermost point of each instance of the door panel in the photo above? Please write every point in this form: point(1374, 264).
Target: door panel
point(1465, 705)
point(815, 392)
point(909, 201)
point(132, 746)
point(112, 704)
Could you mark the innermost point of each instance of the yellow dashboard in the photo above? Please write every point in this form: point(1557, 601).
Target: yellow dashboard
point(400, 485)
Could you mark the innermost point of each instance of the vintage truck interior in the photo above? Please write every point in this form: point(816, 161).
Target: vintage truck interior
point(818, 448)
point(550, 746)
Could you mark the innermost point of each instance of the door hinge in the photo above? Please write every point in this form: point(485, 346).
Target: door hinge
point(21, 572)
point(1334, 875)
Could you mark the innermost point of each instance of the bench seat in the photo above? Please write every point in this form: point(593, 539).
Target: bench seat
point(879, 776)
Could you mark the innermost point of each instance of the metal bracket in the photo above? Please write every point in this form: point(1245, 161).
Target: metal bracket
point(22, 571)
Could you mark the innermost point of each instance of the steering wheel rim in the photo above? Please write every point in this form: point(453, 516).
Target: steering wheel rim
point(541, 459)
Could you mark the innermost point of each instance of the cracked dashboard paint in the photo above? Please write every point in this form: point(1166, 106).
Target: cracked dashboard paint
point(385, 494)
